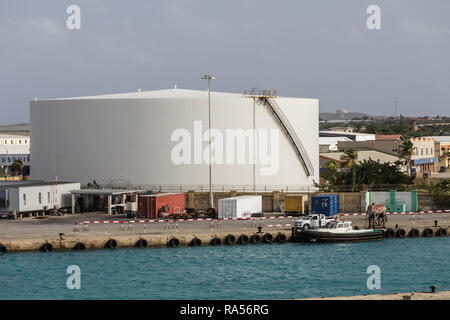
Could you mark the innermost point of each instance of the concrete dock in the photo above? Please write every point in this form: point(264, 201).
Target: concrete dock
point(32, 234)
point(438, 295)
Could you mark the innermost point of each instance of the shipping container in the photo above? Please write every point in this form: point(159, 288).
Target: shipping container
point(240, 207)
point(160, 205)
point(325, 204)
point(294, 203)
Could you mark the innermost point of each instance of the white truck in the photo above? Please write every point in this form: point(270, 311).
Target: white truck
point(313, 221)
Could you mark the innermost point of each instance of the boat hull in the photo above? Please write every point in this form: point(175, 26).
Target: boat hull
point(317, 236)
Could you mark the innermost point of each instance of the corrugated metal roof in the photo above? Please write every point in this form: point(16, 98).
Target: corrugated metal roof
point(105, 192)
point(441, 138)
point(388, 137)
point(362, 155)
point(29, 183)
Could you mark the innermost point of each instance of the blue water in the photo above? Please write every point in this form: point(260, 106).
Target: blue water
point(230, 272)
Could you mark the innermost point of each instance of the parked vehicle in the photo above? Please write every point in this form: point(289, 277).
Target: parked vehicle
point(312, 221)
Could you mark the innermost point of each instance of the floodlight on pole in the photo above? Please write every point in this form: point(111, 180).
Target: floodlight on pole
point(209, 78)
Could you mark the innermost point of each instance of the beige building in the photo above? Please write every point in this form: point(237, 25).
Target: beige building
point(424, 160)
point(380, 157)
point(389, 144)
point(442, 150)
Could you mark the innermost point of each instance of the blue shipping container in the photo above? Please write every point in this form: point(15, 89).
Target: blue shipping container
point(325, 204)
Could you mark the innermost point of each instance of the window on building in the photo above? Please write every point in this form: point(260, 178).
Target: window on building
point(48, 197)
point(24, 199)
point(426, 151)
point(40, 198)
point(421, 151)
point(6, 141)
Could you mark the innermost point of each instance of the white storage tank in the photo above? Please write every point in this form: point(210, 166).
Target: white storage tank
point(159, 140)
point(240, 207)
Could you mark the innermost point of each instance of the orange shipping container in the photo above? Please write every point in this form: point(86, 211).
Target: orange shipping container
point(149, 206)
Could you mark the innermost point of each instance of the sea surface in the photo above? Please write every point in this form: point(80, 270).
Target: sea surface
point(264, 271)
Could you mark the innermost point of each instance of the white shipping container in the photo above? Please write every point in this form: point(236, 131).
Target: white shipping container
point(240, 207)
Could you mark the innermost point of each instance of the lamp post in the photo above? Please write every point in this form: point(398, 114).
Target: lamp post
point(209, 78)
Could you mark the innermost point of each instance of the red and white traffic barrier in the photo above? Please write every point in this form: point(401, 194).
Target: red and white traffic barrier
point(395, 213)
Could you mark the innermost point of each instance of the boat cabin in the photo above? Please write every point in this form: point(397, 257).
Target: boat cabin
point(340, 225)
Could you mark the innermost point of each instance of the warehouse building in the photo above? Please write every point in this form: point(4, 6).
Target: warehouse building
point(159, 140)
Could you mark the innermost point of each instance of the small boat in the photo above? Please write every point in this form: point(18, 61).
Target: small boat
point(336, 231)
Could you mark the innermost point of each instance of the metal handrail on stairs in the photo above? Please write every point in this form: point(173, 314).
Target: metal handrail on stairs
point(290, 133)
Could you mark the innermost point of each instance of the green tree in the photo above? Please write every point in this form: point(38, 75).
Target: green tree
point(17, 166)
point(405, 153)
point(349, 158)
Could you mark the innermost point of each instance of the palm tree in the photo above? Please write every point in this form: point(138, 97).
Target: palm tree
point(405, 152)
point(349, 158)
point(18, 166)
point(332, 165)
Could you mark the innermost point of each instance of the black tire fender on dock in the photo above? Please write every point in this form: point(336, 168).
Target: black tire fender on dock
point(390, 233)
point(243, 239)
point(401, 233)
point(215, 241)
point(255, 238)
point(196, 242)
point(268, 238)
point(414, 233)
point(111, 244)
point(229, 239)
point(47, 247)
point(354, 228)
point(442, 232)
point(3, 249)
point(428, 232)
point(173, 242)
point(141, 243)
point(79, 246)
point(280, 238)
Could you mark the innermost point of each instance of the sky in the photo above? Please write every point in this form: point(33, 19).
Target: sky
point(301, 48)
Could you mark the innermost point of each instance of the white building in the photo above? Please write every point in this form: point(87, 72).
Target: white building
point(35, 196)
point(14, 139)
point(328, 144)
point(160, 138)
point(355, 136)
point(12, 148)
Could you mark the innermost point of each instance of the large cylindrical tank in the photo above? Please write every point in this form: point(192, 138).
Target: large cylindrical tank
point(140, 138)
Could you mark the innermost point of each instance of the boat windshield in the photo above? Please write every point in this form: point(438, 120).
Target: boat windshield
point(332, 225)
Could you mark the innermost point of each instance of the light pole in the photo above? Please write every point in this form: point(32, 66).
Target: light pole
point(209, 78)
point(6, 162)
